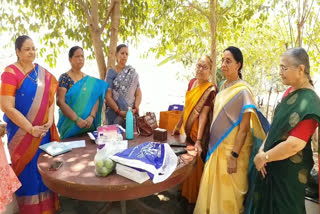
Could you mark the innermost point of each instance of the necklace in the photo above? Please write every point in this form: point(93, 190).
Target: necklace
point(29, 75)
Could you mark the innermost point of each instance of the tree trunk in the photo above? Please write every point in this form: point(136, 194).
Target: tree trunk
point(213, 29)
point(270, 92)
point(98, 51)
point(115, 22)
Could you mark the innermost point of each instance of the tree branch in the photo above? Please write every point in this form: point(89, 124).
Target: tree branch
point(85, 7)
point(227, 8)
point(105, 21)
point(311, 35)
point(306, 15)
point(196, 7)
point(318, 49)
point(290, 26)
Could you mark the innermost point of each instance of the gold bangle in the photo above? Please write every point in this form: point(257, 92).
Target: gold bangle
point(32, 131)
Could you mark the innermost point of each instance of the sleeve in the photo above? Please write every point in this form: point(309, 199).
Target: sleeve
point(9, 84)
point(138, 85)
point(111, 75)
point(191, 83)
point(64, 81)
point(210, 98)
point(304, 129)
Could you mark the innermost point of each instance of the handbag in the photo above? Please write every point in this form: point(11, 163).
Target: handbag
point(146, 124)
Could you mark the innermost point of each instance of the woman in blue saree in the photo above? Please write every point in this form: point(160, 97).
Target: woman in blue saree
point(124, 89)
point(27, 99)
point(80, 98)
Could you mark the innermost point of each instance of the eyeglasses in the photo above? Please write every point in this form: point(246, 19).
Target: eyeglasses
point(284, 68)
point(203, 67)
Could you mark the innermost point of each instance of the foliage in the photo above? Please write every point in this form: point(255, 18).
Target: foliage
point(62, 21)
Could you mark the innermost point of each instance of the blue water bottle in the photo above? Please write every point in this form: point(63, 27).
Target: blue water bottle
point(129, 124)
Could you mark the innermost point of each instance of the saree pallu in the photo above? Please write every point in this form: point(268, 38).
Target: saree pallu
point(195, 100)
point(124, 86)
point(32, 99)
point(81, 98)
point(220, 192)
point(283, 188)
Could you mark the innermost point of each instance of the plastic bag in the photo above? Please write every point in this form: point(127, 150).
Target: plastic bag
point(103, 164)
point(109, 133)
point(157, 159)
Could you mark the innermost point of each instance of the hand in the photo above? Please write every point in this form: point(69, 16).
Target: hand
point(89, 121)
point(263, 172)
point(232, 165)
point(39, 131)
point(3, 128)
point(260, 160)
point(81, 123)
point(198, 147)
point(175, 131)
point(136, 109)
point(123, 114)
point(48, 124)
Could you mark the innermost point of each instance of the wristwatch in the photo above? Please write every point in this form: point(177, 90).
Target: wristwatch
point(266, 156)
point(234, 154)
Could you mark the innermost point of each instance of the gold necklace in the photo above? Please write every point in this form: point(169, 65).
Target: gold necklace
point(28, 75)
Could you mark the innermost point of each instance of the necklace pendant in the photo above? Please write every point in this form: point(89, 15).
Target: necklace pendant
point(84, 89)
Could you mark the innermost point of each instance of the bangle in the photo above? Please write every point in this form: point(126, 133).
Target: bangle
point(234, 154)
point(32, 131)
point(199, 140)
point(118, 111)
point(76, 120)
point(91, 116)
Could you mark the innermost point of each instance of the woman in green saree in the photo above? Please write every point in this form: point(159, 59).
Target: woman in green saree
point(80, 98)
point(285, 158)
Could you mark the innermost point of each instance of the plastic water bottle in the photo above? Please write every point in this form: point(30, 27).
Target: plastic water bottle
point(129, 124)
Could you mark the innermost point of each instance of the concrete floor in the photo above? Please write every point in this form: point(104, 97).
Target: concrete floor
point(167, 202)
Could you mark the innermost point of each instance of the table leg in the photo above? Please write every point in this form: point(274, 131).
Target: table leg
point(123, 207)
point(145, 208)
point(105, 208)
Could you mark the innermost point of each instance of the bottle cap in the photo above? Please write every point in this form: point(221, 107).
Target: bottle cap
point(129, 109)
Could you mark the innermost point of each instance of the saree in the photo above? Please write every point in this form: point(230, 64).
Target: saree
point(124, 86)
point(195, 101)
point(34, 94)
point(220, 192)
point(283, 188)
point(81, 98)
point(9, 182)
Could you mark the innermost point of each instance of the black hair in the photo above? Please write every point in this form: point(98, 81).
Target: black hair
point(237, 55)
point(120, 46)
point(19, 42)
point(300, 57)
point(73, 49)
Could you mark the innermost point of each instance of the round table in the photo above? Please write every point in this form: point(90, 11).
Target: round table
point(76, 178)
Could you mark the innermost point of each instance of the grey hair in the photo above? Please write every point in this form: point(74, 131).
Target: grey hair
point(300, 57)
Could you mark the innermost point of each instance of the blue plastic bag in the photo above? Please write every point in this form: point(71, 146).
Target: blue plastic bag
point(157, 159)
